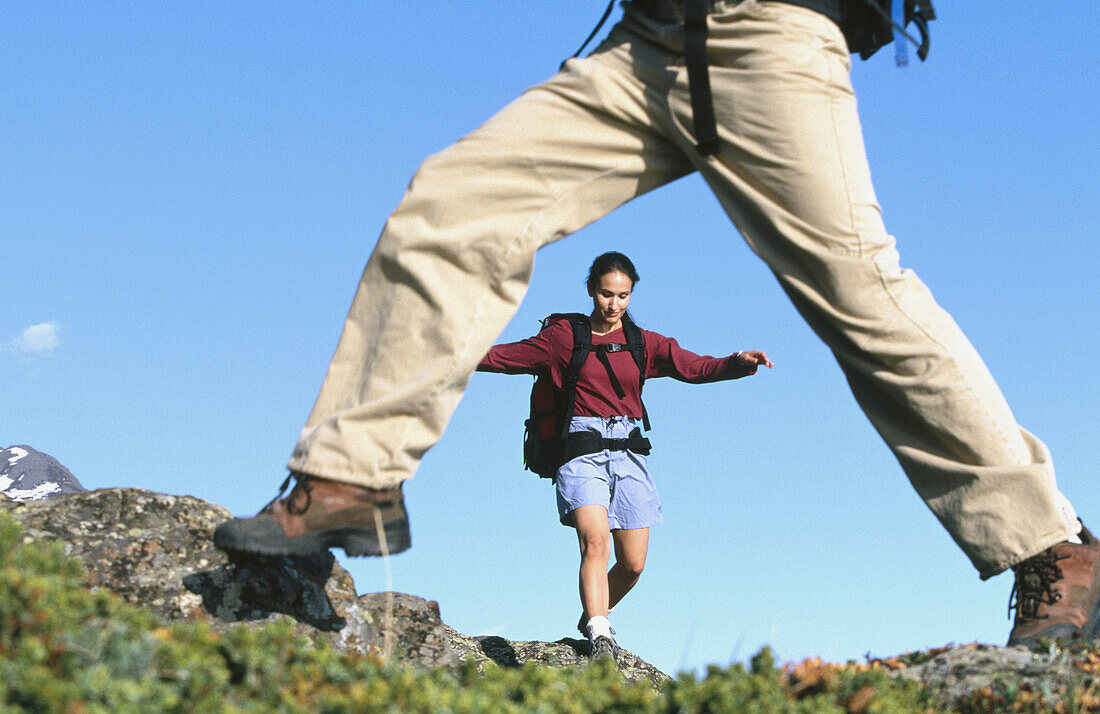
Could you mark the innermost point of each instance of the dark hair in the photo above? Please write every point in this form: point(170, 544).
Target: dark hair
point(609, 263)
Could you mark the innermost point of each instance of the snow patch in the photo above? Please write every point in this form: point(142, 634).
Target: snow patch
point(5, 482)
point(33, 494)
point(17, 454)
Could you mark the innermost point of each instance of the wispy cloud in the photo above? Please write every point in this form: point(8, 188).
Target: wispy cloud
point(38, 340)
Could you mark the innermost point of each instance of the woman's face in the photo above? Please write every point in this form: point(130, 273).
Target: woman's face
point(610, 299)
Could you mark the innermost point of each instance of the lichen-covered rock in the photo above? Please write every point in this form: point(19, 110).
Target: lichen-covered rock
point(960, 672)
point(417, 634)
point(156, 551)
point(566, 652)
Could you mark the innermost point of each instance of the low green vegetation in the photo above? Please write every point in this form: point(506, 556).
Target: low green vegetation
point(65, 649)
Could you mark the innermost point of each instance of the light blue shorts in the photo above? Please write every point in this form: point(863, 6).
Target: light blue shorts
point(617, 480)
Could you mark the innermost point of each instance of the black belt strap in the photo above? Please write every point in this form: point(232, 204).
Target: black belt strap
point(581, 443)
point(695, 58)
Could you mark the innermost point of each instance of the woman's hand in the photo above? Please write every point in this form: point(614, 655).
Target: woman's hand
point(752, 359)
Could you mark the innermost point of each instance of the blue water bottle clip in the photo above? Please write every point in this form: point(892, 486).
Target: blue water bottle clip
point(901, 48)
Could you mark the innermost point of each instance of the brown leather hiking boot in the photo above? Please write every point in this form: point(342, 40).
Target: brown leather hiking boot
point(1057, 593)
point(319, 514)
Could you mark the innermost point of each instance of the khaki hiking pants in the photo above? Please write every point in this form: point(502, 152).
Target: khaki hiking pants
point(455, 259)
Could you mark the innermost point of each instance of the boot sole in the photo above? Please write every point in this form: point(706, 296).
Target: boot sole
point(1064, 632)
point(355, 541)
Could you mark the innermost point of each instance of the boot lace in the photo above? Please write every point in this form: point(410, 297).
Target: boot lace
point(302, 485)
point(1035, 578)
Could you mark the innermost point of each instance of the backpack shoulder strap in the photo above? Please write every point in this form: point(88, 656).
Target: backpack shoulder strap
point(582, 346)
point(635, 342)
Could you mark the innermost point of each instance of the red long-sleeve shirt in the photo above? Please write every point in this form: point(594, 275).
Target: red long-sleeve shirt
point(551, 350)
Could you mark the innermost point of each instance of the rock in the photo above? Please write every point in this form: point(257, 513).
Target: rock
point(956, 673)
point(566, 652)
point(29, 475)
point(155, 550)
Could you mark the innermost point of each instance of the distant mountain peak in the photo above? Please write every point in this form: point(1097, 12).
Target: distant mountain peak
point(30, 475)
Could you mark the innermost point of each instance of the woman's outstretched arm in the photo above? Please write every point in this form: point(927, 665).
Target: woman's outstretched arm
point(666, 358)
point(528, 356)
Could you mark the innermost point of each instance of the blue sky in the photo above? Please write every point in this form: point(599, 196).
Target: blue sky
point(189, 191)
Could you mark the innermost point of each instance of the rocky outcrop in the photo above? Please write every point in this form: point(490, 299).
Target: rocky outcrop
point(977, 672)
point(29, 475)
point(566, 652)
point(155, 550)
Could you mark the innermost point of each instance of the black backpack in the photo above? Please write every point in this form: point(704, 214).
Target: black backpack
point(546, 442)
point(868, 25)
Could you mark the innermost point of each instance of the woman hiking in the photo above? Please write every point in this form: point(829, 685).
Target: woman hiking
point(604, 485)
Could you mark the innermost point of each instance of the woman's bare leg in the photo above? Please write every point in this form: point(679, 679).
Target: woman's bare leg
point(594, 536)
point(631, 547)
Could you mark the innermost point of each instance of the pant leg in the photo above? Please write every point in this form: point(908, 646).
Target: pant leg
point(455, 259)
point(793, 176)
